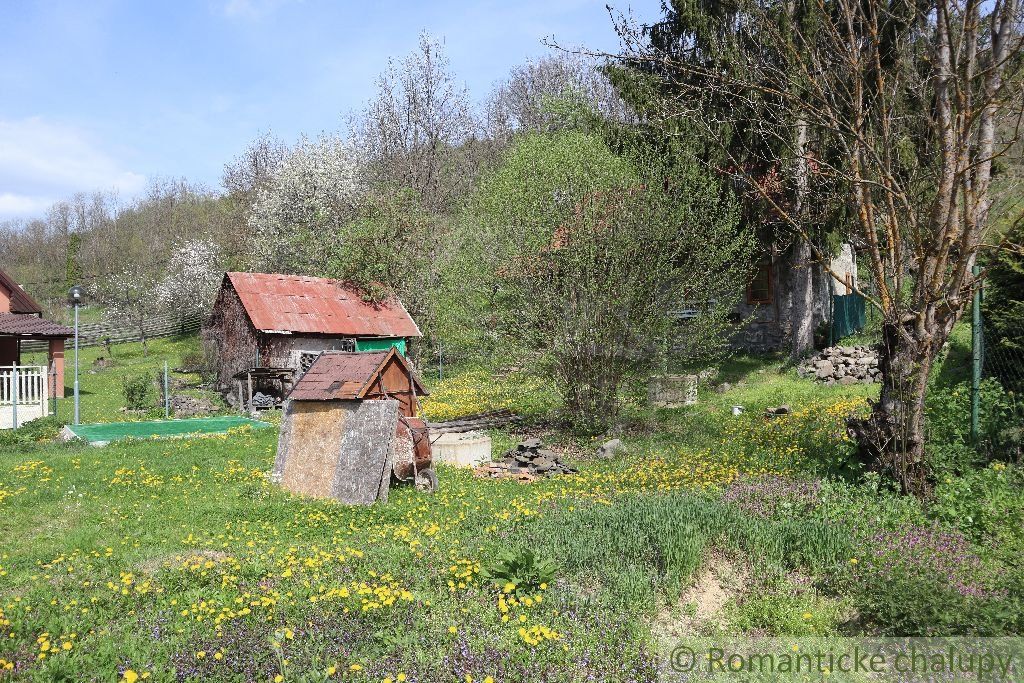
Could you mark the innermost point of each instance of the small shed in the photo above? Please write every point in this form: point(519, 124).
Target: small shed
point(360, 375)
point(270, 321)
point(347, 423)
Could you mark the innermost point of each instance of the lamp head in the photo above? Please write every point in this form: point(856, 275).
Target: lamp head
point(76, 294)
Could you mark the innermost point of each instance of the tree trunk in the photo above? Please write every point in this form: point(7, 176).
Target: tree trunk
point(802, 279)
point(802, 298)
point(892, 438)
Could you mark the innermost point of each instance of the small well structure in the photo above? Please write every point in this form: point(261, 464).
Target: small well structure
point(461, 449)
point(348, 423)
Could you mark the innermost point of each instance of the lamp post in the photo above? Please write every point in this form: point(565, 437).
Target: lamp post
point(75, 295)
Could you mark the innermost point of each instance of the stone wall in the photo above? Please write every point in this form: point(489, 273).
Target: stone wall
point(769, 326)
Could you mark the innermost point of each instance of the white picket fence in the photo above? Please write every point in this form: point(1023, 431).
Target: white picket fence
point(23, 394)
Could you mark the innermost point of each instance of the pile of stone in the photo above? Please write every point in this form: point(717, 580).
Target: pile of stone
point(261, 401)
point(843, 365)
point(527, 461)
point(188, 406)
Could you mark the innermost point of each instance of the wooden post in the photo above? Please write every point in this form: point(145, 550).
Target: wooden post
point(241, 397)
point(977, 345)
point(252, 409)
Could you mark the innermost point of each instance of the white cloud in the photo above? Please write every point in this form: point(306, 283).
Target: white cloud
point(22, 205)
point(41, 162)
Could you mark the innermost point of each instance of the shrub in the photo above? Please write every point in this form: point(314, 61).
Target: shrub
point(983, 503)
point(137, 391)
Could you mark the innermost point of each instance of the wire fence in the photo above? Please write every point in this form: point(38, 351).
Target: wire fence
point(1001, 395)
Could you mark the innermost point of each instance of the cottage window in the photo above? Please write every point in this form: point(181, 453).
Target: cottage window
point(760, 289)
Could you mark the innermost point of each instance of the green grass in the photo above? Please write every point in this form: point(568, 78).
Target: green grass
point(102, 399)
point(180, 559)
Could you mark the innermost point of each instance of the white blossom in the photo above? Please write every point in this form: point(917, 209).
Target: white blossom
point(311, 192)
point(192, 277)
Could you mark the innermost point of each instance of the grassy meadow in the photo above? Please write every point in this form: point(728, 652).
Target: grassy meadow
point(178, 560)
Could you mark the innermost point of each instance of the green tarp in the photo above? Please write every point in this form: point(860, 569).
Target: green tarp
point(848, 315)
point(105, 432)
point(381, 344)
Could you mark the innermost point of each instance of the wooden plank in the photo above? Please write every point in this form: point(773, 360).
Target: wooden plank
point(365, 453)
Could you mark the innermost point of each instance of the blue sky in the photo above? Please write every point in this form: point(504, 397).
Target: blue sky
point(103, 94)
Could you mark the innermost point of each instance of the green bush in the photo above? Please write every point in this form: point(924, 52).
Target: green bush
point(983, 503)
point(137, 391)
point(1003, 311)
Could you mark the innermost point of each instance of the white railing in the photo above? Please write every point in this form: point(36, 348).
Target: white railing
point(23, 394)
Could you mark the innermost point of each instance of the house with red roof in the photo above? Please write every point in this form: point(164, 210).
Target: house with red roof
point(25, 390)
point(21, 320)
point(272, 325)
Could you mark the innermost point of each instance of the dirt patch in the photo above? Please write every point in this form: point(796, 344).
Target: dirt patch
point(700, 607)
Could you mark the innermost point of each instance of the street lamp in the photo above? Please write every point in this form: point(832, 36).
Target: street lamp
point(75, 295)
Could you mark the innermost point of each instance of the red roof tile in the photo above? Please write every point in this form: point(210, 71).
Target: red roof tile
point(312, 305)
point(345, 375)
point(25, 325)
point(21, 302)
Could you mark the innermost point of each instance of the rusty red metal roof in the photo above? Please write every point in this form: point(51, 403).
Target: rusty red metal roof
point(313, 305)
point(339, 375)
point(21, 302)
point(26, 325)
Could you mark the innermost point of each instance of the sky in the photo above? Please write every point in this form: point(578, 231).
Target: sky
point(106, 94)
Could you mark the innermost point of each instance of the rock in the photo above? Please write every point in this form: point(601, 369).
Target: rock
point(528, 460)
point(847, 380)
point(832, 365)
point(825, 371)
point(261, 401)
point(778, 410)
point(722, 388)
point(610, 449)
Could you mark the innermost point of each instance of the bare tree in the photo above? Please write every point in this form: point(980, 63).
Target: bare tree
point(527, 100)
point(412, 133)
point(130, 297)
point(902, 103)
point(244, 175)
